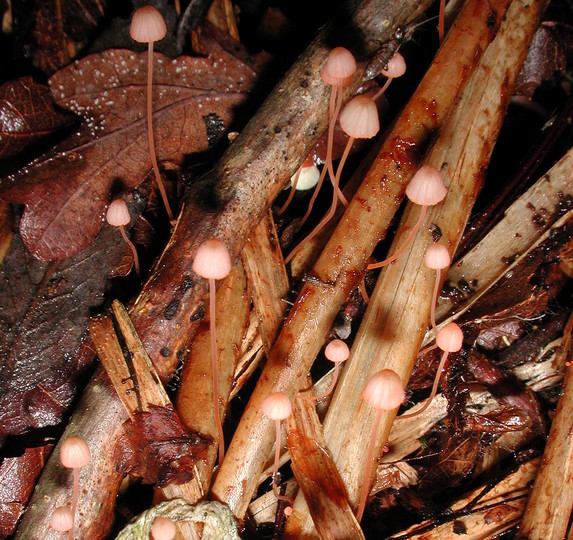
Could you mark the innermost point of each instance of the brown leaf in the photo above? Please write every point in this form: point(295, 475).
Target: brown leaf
point(194, 99)
point(18, 477)
point(44, 313)
point(156, 447)
point(62, 28)
point(27, 113)
point(546, 55)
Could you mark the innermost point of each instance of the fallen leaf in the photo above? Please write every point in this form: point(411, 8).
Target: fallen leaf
point(157, 448)
point(18, 476)
point(546, 55)
point(27, 114)
point(194, 100)
point(44, 313)
point(62, 29)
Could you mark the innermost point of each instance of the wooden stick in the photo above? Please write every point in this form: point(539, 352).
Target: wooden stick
point(395, 322)
point(548, 511)
point(342, 262)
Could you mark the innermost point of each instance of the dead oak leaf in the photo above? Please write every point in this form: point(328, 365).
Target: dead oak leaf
point(27, 114)
point(67, 191)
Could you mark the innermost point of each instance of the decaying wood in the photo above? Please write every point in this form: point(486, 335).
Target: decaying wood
point(342, 262)
point(550, 504)
point(527, 219)
point(264, 265)
point(227, 203)
point(398, 314)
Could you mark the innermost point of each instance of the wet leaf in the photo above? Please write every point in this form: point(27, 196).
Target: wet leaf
point(454, 462)
point(44, 313)
point(156, 447)
point(62, 29)
point(18, 476)
point(546, 55)
point(27, 114)
point(194, 100)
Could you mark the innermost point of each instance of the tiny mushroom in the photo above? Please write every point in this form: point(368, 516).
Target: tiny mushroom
point(385, 392)
point(117, 215)
point(337, 352)
point(425, 189)
point(449, 338)
point(74, 454)
point(62, 519)
point(163, 528)
point(148, 26)
point(396, 68)
point(213, 261)
point(277, 406)
point(359, 120)
point(437, 258)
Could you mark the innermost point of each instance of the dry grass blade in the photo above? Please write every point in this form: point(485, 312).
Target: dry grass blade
point(550, 504)
point(340, 266)
point(396, 319)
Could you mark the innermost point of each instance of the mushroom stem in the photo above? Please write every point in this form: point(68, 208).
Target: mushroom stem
point(332, 210)
point(150, 131)
point(401, 249)
point(215, 370)
point(435, 299)
point(133, 250)
point(434, 389)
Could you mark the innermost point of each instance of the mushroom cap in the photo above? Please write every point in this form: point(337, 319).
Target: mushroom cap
point(450, 338)
point(339, 67)
point(426, 187)
point(337, 351)
point(117, 213)
point(74, 453)
point(308, 177)
point(437, 257)
point(359, 118)
point(212, 260)
point(163, 528)
point(62, 519)
point(396, 67)
point(147, 25)
point(276, 406)
point(384, 390)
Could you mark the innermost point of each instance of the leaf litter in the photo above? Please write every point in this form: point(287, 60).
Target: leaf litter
point(71, 185)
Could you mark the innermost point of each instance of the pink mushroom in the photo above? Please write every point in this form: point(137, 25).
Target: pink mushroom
point(385, 392)
point(277, 407)
point(148, 26)
point(62, 519)
point(117, 215)
point(426, 189)
point(74, 454)
point(396, 68)
point(337, 352)
point(213, 261)
point(358, 119)
point(163, 528)
point(437, 258)
point(450, 338)
point(338, 71)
